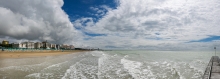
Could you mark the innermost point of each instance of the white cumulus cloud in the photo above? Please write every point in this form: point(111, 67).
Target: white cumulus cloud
point(35, 20)
point(157, 24)
point(147, 24)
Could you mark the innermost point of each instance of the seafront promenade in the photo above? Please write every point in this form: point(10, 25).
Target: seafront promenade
point(213, 69)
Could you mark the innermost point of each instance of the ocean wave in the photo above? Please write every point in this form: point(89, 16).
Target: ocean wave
point(105, 65)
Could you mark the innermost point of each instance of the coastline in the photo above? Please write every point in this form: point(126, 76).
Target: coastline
point(35, 53)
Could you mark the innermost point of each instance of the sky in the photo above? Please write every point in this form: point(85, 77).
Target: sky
point(114, 24)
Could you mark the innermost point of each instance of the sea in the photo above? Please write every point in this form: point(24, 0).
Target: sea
point(118, 64)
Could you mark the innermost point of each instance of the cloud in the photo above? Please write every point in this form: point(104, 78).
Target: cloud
point(100, 11)
point(146, 24)
point(35, 20)
point(162, 24)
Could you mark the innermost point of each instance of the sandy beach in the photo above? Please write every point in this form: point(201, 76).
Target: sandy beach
point(35, 53)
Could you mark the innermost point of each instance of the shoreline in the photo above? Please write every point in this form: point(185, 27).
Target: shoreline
point(30, 53)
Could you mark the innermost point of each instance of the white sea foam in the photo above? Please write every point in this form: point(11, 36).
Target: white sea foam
point(87, 67)
point(133, 67)
point(107, 65)
point(80, 71)
point(25, 68)
point(34, 75)
point(55, 66)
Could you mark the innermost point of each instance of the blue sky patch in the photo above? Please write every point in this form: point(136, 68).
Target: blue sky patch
point(82, 8)
point(93, 35)
point(209, 39)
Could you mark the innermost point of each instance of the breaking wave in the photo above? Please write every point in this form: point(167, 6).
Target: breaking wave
point(104, 65)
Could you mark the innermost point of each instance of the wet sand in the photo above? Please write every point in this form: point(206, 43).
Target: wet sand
point(35, 53)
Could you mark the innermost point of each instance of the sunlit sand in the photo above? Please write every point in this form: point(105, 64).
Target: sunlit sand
point(34, 53)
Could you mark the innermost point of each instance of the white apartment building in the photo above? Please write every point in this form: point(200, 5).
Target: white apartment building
point(38, 45)
point(29, 45)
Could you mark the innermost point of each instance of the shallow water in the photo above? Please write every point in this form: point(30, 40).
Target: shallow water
point(109, 65)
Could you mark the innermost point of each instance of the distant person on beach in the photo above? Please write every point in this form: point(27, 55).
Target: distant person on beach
point(2, 49)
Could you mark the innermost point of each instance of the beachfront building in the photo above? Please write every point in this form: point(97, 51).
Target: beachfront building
point(22, 45)
point(64, 46)
point(68, 47)
point(53, 46)
point(72, 47)
point(46, 45)
point(5, 42)
point(57, 47)
point(38, 45)
point(28, 45)
point(16, 45)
